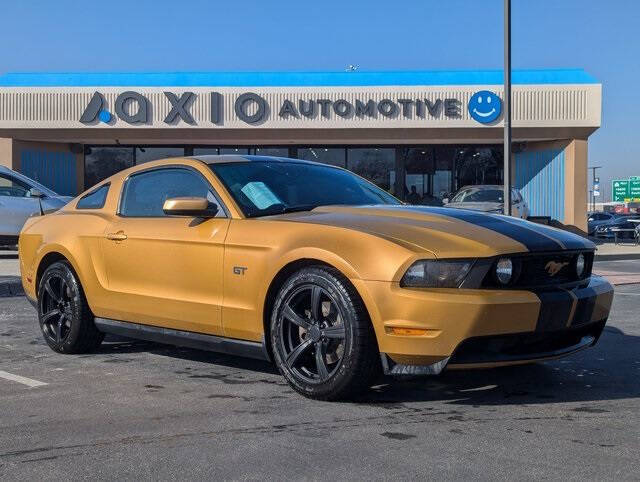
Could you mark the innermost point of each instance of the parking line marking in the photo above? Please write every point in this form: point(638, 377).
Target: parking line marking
point(30, 382)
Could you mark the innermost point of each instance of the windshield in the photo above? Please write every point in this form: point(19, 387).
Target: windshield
point(31, 183)
point(263, 188)
point(478, 195)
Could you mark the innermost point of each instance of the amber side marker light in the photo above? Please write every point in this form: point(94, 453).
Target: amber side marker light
point(408, 331)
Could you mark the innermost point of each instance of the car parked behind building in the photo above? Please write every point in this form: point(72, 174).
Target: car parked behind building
point(21, 197)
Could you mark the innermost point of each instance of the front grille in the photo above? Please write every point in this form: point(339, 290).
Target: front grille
point(523, 346)
point(543, 270)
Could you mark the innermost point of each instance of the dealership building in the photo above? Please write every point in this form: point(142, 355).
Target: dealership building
point(420, 135)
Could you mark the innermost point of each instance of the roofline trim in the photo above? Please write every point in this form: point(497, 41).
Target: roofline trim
point(293, 79)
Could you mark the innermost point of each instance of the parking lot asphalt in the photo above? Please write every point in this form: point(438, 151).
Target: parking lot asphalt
point(139, 410)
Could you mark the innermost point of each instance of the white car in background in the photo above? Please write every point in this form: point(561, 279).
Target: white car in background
point(489, 199)
point(20, 198)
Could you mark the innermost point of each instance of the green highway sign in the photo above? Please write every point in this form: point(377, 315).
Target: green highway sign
point(634, 188)
point(619, 190)
point(626, 190)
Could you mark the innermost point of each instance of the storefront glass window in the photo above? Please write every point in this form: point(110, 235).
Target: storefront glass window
point(325, 155)
point(205, 151)
point(240, 151)
point(102, 162)
point(471, 165)
point(425, 174)
point(418, 164)
point(271, 151)
point(375, 164)
point(146, 154)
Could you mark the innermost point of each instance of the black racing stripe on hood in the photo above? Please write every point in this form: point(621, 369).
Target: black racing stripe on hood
point(530, 237)
point(569, 240)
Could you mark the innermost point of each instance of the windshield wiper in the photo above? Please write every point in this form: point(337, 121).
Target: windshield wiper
point(281, 209)
point(301, 207)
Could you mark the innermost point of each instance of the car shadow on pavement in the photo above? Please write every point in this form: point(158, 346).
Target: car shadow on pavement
point(114, 346)
point(609, 371)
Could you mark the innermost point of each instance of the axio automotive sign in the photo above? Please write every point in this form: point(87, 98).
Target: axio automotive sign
point(251, 108)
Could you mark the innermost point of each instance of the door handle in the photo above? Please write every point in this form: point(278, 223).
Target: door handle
point(119, 236)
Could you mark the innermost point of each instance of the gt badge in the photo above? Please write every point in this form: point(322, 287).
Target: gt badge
point(239, 270)
point(553, 267)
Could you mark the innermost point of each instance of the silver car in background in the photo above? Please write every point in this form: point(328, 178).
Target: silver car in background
point(489, 199)
point(20, 198)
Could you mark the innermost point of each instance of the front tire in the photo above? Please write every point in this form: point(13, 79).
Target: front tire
point(63, 312)
point(322, 339)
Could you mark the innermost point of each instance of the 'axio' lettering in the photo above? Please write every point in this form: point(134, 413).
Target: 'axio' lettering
point(127, 100)
point(180, 107)
point(242, 104)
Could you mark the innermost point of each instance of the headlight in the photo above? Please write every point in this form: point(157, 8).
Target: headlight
point(504, 270)
point(580, 265)
point(444, 273)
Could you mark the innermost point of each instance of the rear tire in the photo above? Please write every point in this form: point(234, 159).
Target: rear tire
point(63, 312)
point(322, 339)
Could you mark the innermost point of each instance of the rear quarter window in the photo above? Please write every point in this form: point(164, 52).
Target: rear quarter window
point(95, 199)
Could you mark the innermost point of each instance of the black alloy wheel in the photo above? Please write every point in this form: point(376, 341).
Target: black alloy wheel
point(312, 333)
point(63, 312)
point(55, 309)
point(322, 338)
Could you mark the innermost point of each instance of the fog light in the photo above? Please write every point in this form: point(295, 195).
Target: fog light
point(580, 265)
point(504, 270)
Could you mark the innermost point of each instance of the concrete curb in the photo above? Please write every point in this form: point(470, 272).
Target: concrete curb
point(10, 286)
point(616, 257)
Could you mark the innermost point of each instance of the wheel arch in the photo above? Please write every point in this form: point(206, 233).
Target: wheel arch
point(279, 280)
point(53, 255)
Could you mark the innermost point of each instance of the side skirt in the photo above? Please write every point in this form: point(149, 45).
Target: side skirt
point(187, 339)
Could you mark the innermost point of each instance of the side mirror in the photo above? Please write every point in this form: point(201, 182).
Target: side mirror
point(445, 200)
point(197, 207)
point(33, 192)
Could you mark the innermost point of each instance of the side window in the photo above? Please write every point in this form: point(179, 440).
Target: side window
point(144, 194)
point(12, 187)
point(95, 199)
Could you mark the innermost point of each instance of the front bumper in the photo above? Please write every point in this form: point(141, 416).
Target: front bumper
point(466, 328)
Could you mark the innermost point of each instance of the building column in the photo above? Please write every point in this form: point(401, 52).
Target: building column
point(576, 184)
point(6, 152)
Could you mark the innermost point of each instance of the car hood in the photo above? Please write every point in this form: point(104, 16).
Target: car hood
point(477, 206)
point(444, 232)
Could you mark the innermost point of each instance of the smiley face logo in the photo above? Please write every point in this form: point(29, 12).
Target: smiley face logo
point(485, 106)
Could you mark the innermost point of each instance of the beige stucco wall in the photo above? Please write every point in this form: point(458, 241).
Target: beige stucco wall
point(6, 152)
point(575, 207)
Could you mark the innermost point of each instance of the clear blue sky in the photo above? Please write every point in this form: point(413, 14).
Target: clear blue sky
point(142, 35)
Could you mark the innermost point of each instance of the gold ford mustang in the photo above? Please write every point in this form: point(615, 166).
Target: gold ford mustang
point(307, 265)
